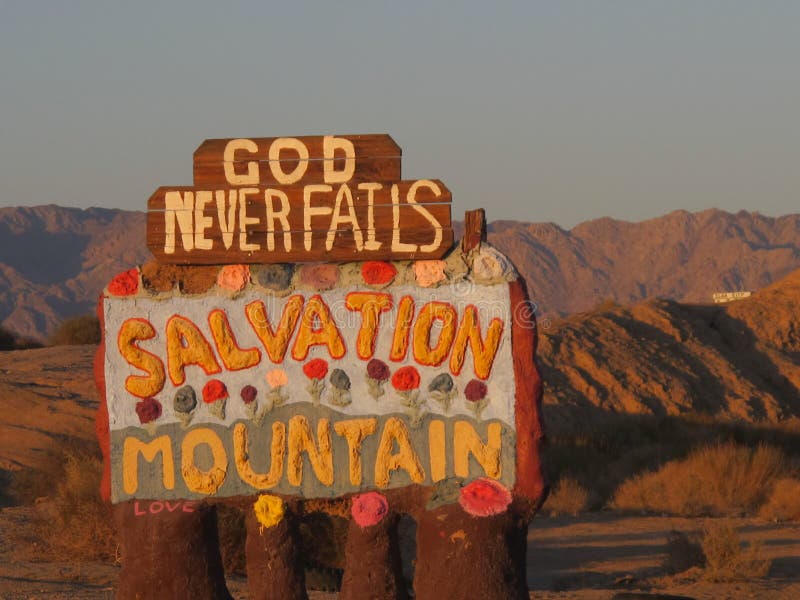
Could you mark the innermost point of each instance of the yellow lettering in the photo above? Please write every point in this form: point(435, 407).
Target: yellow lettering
point(131, 449)
point(203, 482)
point(405, 458)
point(354, 431)
point(301, 441)
point(277, 456)
point(467, 441)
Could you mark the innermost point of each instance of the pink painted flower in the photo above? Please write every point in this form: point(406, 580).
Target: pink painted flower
point(125, 284)
point(369, 509)
point(376, 272)
point(319, 277)
point(405, 379)
point(233, 277)
point(277, 378)
point(484, 497)
point(148, 410)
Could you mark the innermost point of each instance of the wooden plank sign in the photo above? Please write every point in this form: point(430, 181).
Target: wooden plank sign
point(303, 199)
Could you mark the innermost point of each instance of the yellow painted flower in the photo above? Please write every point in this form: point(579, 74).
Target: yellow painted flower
point(269, 510)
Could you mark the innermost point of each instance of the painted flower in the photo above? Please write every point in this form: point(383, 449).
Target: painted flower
point(148, 410)
point(484, 497)
point(183, 404)
point(429, 272)
point(275, 277)
point(406, 381)
point(378, 373)
point(319, 277)
point(215, 395)
point(125, 284)
point(442, 390)
point(233, 277)
point(248, 394)
point(376, 272)
point(340, 395)
point(369, 509)
point(276, 379)
point(316, 370)
point(269, 511)
point(475, 393)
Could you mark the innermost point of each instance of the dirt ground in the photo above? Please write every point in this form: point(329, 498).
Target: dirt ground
point(591, 557)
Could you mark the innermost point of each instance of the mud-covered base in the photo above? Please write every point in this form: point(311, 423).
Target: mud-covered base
point(170, 554)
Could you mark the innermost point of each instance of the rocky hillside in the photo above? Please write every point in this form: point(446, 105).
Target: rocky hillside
point(682, 256)
point(661, 357)
point(54, 260)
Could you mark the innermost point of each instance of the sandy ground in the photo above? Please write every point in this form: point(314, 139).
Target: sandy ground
point(584, 558)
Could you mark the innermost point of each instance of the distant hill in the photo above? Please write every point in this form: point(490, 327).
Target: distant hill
point(54, 260)
point(660, 357)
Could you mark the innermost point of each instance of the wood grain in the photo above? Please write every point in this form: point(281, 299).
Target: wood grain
point(343, 249)
point(378, 158)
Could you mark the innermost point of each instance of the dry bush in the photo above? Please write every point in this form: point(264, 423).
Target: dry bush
point(726, 559)
point(78, 330)
point(683, 552)
point(719, 480)
point(783, 503)
point(78, 524)
point(568, 497)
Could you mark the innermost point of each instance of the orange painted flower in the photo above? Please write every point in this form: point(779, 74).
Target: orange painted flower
point(484, 497)
point(376, 272)
point(233, 277)
point(316, 368)
point(405, 379)
point(125, 284)
point(214, 390)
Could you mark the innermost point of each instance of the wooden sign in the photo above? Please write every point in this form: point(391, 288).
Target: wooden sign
point(305, 199)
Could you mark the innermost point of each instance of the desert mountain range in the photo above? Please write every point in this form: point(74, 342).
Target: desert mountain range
point(55, 260)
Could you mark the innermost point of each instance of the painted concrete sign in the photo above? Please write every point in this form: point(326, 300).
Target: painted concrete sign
point(299, 199)
point(395, 375)
point(312, 393)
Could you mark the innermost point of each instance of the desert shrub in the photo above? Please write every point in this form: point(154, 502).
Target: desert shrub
point(727, 559)
point(77, 524)
point(783, 503)
point(568, 497)
point(718, 480)
point(683, 552)
point(78, 330)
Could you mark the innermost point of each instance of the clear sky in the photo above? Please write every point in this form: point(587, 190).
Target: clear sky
point(561, 111)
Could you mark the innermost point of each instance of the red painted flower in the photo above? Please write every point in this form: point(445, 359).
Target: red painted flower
point(484, 497)
point(316, 368)
point(214, 390)
point(249, 394)
point(475, 391)
point(148, 410)
point(405, 379)
point(377, 272)
point(369, 509)
point(125, 284)
point(377, 369)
